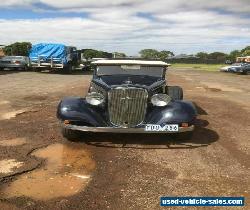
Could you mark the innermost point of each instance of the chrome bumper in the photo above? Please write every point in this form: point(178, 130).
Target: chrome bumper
point(121, 130)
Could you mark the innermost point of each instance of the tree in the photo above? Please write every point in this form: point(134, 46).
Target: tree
point(18, 48)
point(164, 54)
point(119, 55)
point(216, 55)
point(246, 53)
point(155, 54)
point(149, 54)
point(91, 53)
point(233, 55)
point(245, 49)
point(202, 55)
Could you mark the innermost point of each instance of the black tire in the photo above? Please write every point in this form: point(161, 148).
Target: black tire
point(175, 92)
point(67, 69)
point(25, 68)
point(71, 135)
point(36, 69)
point(245, 72)
point(185, 136)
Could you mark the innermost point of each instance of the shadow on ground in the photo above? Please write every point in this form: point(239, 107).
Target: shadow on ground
point(5, 72)
point(202, 137)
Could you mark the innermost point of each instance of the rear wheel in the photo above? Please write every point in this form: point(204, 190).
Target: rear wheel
point(71, 135)
point(245, 72)
point(25, 68)
point(67, 69)
point(175, 92)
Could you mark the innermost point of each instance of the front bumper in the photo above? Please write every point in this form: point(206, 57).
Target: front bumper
point(122, 130)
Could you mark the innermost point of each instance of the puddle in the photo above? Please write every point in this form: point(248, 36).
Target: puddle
point(13, 142)
point(7, 112)
point(12, 114)
point(8, 166)
point(66, 172)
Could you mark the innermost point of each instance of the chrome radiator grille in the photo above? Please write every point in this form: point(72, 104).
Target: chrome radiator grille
point(127, 106)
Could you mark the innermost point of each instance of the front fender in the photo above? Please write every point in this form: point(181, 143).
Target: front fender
point(76, 109)
point(176, 112)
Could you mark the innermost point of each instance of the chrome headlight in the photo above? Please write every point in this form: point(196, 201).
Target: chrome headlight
point(95, 98)
point(160, 99)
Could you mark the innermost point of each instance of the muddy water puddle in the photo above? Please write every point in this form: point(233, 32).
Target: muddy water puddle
point(7, 112)
point(9, 165)
point(66, 171)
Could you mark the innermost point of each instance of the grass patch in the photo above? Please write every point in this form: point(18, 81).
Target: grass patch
point(202, 67)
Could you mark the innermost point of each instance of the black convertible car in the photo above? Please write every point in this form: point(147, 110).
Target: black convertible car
point(128, 96)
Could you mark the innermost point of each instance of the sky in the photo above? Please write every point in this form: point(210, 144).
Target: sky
point(181, 26)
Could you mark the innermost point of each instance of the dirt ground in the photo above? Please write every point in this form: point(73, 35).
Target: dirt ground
point(39, 169)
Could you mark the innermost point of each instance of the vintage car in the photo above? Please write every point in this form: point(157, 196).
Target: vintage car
point(128, 96)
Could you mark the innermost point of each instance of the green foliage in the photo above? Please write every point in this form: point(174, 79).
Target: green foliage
point(164, 54)
point(215, 57)
point(18, 48)
point(233, 55)
point(202, 55)
point(155, 54)
point(91, 53)
point(245, 49)
point(149, 53)
point(119, 55)
point(246, 52)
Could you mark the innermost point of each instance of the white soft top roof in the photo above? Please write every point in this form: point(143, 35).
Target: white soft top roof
point(130, 62)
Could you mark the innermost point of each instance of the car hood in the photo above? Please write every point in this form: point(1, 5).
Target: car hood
point(137, 80)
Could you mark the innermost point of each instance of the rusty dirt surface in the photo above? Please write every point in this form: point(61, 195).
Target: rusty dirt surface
point(39, 169)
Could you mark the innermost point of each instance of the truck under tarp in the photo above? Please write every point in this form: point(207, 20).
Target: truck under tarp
point(48, 55)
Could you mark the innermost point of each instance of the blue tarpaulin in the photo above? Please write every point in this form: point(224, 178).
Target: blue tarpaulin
point(47, 51)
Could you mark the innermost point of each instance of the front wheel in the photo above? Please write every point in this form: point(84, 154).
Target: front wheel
point(71, 135)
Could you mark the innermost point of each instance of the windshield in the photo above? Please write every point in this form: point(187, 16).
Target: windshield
point(156, 71)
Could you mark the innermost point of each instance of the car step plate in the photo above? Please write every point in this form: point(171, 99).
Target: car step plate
point(168, 127)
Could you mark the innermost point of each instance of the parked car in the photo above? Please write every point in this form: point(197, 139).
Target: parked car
point(128, 96)
point(232, 67)
point(14, 62)
point(244, 68)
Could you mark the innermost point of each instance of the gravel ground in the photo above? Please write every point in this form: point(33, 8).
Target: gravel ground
point(120, 171)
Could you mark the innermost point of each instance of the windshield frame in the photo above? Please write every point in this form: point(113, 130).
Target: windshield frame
point(164, 68)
